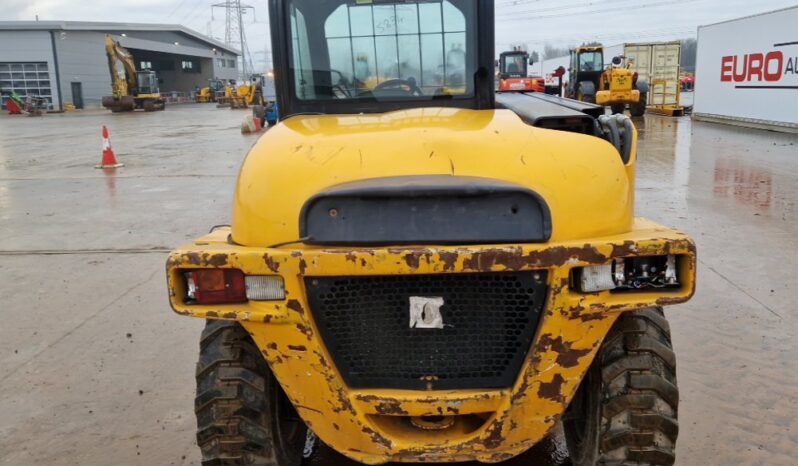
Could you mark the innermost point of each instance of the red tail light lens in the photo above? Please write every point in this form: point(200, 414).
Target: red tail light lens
point(216, 286)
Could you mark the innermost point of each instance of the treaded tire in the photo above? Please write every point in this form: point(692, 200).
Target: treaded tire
point(638, 109)
point(242, 412)
point(591, 99)
point(625, 411)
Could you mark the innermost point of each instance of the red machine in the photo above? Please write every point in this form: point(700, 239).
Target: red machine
point(513, 73)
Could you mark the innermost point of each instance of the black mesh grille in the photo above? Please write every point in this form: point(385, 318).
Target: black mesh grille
point(489, 323)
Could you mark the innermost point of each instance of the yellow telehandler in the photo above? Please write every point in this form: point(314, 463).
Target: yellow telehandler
point(422, 271)
point(615, 86)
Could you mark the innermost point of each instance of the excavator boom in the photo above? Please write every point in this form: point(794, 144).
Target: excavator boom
point(126, 93)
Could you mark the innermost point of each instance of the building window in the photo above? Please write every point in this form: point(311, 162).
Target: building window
point(222, 62)
point(191, 66)
point(25, 79)
point(231, 63)
point(146, 65)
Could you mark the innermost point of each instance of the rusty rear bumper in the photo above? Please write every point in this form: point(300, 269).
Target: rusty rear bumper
point(490, 425)
point(617, 97)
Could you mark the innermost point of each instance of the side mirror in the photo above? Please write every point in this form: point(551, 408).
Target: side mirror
point(496, 63)
point(531, 61)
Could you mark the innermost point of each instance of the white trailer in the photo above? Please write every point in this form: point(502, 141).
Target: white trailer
point(747, 71)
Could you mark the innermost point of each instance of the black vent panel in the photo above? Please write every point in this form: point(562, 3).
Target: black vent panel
point(488, 320)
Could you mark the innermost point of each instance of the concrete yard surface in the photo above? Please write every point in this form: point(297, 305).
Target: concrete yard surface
point(95, 369)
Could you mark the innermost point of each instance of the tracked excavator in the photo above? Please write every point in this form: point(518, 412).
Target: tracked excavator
point(131, 89)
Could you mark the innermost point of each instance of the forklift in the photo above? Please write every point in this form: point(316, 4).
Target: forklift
point(422, 270)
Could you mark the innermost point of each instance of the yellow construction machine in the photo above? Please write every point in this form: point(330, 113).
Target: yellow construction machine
point(248, 94)
point(223, 96)
point(615, 86)
point(131, 89)
point(208, 94)
point(421, 276)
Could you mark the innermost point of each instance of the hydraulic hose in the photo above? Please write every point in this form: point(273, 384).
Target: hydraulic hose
point(611, 125)
point(628, 134)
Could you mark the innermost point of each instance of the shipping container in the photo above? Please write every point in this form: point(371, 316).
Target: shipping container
point(747, 71)
point(659, 65)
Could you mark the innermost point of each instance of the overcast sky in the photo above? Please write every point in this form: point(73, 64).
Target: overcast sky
point(529, 22)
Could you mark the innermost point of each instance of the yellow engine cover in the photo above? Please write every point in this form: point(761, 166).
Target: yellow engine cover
point(582, 178)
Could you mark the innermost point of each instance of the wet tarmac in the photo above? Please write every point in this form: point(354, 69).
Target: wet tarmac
point(94, 367)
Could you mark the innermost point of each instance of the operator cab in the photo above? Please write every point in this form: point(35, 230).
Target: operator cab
point(588, 64)
point(373, 56)
point(513, 64)
point(216, 85)
point(147, 82)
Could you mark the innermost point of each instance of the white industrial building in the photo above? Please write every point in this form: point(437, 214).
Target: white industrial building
point(65, 61)
point(747, 71)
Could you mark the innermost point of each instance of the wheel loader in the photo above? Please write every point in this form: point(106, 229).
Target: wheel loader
point(419, 275)
point(131, 89)
point(615, 86)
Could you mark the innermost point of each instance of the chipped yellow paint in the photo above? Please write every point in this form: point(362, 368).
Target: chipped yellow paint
point(362, 424)
point(616, 87)
point(589, 192)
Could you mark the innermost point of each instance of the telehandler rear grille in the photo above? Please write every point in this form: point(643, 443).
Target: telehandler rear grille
point(489, 321)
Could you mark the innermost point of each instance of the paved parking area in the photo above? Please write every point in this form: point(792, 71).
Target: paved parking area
point(94, 368)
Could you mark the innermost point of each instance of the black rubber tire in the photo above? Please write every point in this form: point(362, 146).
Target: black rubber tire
point(639, 109)
point(619, 108)
point(625, 411)
point(241, 408)
point(591, 99)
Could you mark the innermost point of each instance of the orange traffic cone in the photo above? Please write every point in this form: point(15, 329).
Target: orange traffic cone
point(109, 159)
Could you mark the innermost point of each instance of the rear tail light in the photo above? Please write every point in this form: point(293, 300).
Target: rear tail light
point(634, 273)
point(230, 286)
point(216, 286)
